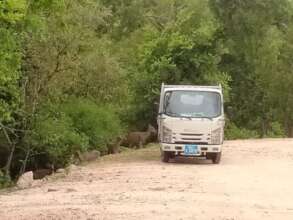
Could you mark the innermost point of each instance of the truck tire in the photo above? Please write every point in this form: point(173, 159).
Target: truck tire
point(165, 156)
point(216, 158)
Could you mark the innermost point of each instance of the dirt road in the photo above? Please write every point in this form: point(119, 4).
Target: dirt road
point(253, 181)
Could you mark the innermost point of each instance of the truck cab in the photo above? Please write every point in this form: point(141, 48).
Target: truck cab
point(191, 122)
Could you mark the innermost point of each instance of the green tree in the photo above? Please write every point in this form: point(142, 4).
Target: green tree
point(253, 33)
point(187, 51)
point(11, 17)
point(12, 14)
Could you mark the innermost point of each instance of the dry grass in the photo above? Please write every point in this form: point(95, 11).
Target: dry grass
point(150, 153)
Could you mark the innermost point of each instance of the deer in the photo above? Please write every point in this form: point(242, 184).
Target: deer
point(139, 138)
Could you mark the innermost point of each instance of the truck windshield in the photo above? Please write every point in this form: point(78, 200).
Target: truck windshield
point(193, 104)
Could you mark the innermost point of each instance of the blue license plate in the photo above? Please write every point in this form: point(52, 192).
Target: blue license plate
point(190, 149)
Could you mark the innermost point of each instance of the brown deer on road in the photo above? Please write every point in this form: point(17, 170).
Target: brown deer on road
point(139, 138)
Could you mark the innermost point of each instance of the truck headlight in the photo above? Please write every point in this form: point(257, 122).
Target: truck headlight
point(167, 135)
point(216, 136)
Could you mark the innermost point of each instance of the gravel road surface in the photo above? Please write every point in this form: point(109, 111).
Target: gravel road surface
point(253, 181)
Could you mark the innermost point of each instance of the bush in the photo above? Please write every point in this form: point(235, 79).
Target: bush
point(276, 131)
point(233, 132)
point(76, 125)
point(55, 136)
point(5, 181)
point(99, 123)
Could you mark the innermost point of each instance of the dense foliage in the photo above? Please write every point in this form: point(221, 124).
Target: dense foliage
point(76, 74)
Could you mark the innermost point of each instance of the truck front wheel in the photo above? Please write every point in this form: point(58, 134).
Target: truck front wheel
point(165, 156)
point(215, 157)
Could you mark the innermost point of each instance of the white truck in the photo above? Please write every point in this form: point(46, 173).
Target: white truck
point(191, 122)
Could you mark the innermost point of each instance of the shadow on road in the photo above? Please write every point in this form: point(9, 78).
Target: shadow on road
point(191, 160)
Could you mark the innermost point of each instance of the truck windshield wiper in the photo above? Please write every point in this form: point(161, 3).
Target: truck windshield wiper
point(207, 117)
point(172, 114)
point(185, 116)
point(177, 115)
point(203, 116)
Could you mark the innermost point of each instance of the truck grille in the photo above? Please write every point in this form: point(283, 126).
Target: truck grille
point(185, 134)
point(188, 142)
point(191, 138)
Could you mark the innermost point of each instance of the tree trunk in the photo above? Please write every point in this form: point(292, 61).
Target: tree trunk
point(12, 149)
point(290, 131)
point(23, 167)
point(9, 161)
point(289, 128)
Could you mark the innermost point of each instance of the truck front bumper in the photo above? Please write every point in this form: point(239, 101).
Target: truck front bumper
point(178, 149)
